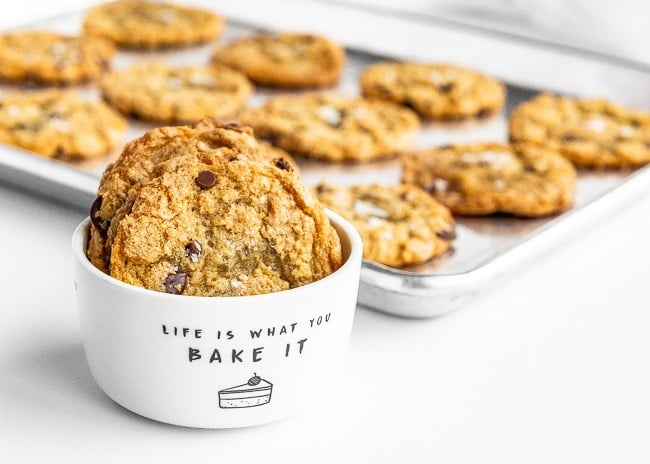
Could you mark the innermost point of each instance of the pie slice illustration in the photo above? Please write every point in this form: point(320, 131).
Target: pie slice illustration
point(255, 392)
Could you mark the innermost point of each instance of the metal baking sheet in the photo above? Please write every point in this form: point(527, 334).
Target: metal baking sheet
point(486, 249)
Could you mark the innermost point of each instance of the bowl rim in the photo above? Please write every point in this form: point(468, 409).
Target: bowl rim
point(80, 237)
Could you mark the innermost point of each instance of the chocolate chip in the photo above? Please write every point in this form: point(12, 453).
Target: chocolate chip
point(407, 196)
point(282, 163)
point(322, 188)
point(446, 234)
point(193, 250)
point(103, 63)
point(236, 127)
point(445, 87)
point(176, 281)
point(571, 138)
point(383, 90)
point(206, 179)
point(484, 113)
point(100, 224)
point(270, 138)
point(233, 158)
point(410, 104)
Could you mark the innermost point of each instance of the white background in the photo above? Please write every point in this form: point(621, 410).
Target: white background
point(552, 366)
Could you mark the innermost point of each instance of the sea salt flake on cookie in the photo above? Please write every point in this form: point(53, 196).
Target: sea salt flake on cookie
point(363, 208)
point(627, 131)
point(59, 124)
point(374, 222)
point(330, 115)
point(595, 124)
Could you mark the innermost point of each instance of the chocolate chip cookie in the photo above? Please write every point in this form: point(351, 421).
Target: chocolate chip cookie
point(434, 91)
point(213, 226)
point(285, 60)
point(58, 124)
point(140, 157)
point(143, 24)
point(158, 92)
point(334, 128)
point(50, 58)
point(399, 224)
point(592, 133)
point(522, 179)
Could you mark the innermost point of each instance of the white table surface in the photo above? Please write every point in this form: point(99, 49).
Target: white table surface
point(552, 366)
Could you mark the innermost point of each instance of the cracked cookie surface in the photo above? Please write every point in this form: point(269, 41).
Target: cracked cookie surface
point(51, 58)
point(140, 157)
point(58, 124)
point(158, 92)
point(285, 60)
point(434, 91)
point(399, 224)
point(522, 179)
point(215, 226)
point(334, 128)
point(591, 133)
point(142, 24)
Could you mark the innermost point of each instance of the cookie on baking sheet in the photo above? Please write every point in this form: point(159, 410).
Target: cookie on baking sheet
point(434, 91)
point(143, 24)
point(399, 224)
point(58, 124)
point(51, 58)
point(158, 92)
point(285, 60)
point(522, 179)
point(213, 226)
point(591, 133)
point(334, 128)
point(140, 157)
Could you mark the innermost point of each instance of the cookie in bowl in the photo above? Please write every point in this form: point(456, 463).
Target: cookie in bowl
point(399, 224)
point(525, 180)
point(246, 222)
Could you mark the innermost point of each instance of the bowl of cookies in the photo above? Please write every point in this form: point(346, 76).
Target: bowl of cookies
point(214, 289)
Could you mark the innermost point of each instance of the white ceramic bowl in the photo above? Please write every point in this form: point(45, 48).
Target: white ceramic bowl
point(217, 362)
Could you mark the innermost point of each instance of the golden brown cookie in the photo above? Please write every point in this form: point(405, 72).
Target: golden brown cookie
point(285, 60)
point(158, 92)
point(143, 24)
point(434, 91)
point(140, 157)
point(399, 224)
point(223, 227)
point(334, 128)
point(522, 179)
point(51, 58)
point(58, 124)
point(592, 133)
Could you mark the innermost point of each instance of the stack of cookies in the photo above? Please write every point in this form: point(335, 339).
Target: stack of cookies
point(205, 210)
